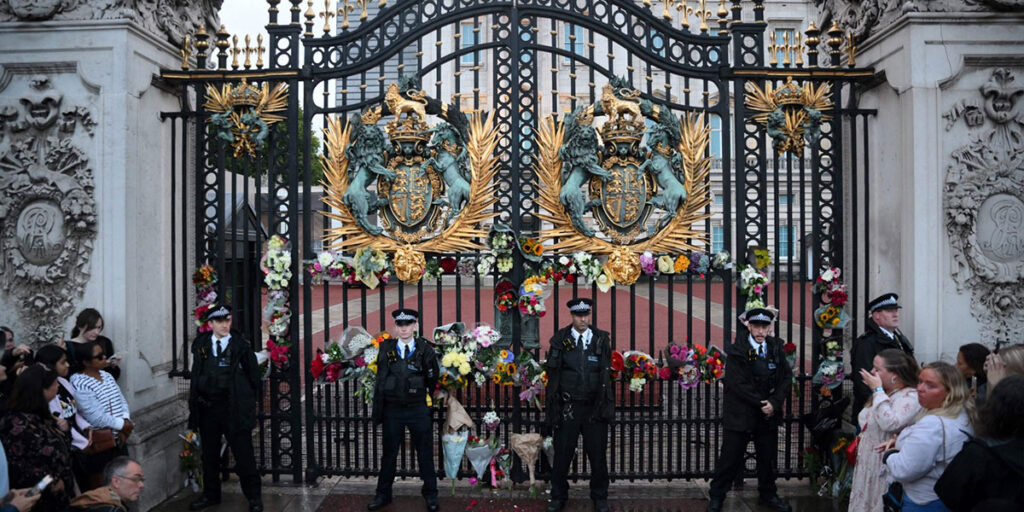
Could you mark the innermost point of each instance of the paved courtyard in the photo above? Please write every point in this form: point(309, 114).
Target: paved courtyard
point(351, 495)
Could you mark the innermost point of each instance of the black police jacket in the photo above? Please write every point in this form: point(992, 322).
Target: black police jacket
point(561, 343)
point(393, 377)
point(244, 380)
point(862, 357)
point(750, 379)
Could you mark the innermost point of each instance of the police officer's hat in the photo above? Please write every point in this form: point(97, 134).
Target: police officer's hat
point(762, 316)
point(885, 301)
point(580, 306)
point(218, 311)
point(405, 316)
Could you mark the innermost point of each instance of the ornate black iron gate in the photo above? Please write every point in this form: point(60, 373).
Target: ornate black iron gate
point(521, 59)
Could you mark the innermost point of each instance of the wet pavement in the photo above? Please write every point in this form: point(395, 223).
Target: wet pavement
point(350, 495)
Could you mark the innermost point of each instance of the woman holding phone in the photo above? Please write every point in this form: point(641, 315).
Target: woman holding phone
point(34, 440)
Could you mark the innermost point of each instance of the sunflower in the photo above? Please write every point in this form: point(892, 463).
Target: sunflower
point(510, 369)
point(504, 354)
point(496, 378)
point(538, 249)
point(500, 368)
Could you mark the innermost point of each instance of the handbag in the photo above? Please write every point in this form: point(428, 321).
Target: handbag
point(103, 439)
point(892, 500)
point(851, 451)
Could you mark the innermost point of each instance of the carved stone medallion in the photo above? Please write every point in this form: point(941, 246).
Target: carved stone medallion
point(47, 210)
point(984, 205)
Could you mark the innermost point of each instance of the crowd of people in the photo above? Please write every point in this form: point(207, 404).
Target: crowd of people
point(939, 437)
point(64, 425)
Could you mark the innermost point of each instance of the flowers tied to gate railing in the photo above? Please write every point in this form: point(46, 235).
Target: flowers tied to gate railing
point(276, 265)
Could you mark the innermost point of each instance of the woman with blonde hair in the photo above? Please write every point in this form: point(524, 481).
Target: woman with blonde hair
point(919, 455)
point(1009, 361)
point(891, 407)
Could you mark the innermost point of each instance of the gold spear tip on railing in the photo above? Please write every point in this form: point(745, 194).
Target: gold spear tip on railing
point(185, 52)
point(326, 15)
point(851, 49)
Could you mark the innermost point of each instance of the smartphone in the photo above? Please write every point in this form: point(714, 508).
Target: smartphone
point(40, 487)
point(114, 359)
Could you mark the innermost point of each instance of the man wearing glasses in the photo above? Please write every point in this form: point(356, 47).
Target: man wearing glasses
point(123, 482)
point(222, 403)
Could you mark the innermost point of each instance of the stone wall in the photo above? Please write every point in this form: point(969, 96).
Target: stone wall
point(86, 206)
point(947, 176)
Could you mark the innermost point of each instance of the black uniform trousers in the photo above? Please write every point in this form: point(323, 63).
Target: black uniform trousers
point(595, 442)
point(214, 422)
point(734, 448)
point(398, 417)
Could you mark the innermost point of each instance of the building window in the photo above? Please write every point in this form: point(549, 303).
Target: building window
point(785, 242)
point(782, 35)
point(717, 239)
point(719, 201)
point(572, 40)
point(716, 138)
point(469, 38)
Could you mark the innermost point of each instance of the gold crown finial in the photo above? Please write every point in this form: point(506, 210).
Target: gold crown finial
point(371, 116)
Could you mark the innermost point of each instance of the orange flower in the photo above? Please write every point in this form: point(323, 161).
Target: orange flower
point(682, 263)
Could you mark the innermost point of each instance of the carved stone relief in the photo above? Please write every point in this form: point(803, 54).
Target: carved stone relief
point(47, 208)
point(865, 17)
point(984, 204)
point(172, 18)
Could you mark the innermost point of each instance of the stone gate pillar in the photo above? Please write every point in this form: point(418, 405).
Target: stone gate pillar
point(946, 183)
point(86, 194)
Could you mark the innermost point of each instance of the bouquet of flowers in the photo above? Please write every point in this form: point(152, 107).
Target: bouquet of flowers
point(485, 263)
point(638, 368)
point(367, 378)
point(648, 263)
point(480, 451)
point(371, 267)
point(831, 317)
point(501, 242)
point(710, 363)
point(700, 263)
point(531, 297)
point(276, 265)
point(832, 290)
point(347, 358)
point(330, 265)
point(449, 334)
point(432, 269)
point(502, 367)
point(531, 377)
point(204, 279)
point(752, 285)
point(454, 446)
point(455, 368)
point(505, 297)
point(759, 257)
point(532, 249)
point(527, 447)
point(191, 460)
point(722, 261)
point(790, 350)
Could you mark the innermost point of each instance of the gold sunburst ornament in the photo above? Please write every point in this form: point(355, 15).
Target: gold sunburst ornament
point(243, 112)
point(791, 114)
point(408, 256)
point(675, 233)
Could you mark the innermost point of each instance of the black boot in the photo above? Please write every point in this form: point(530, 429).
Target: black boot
point(432, 505)
point(556, 505)
point(715, 505)
point(774, 502)
point(202, 503)
point(379, 501)
point(601, 506)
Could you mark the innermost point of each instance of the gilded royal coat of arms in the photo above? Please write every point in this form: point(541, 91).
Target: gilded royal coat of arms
point(643, 178)
point(410, 187)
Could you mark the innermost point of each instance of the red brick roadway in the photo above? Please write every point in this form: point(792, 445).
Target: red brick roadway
point(631, 326)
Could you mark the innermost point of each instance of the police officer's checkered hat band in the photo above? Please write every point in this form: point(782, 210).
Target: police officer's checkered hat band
point(579, 306)
point(887, 301)
point(760, 318)
point(405, 315)
point(221, 311)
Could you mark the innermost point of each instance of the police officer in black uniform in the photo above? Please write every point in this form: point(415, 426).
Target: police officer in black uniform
point(222, 402)
point(580, 400)
point(882, 333)
point(407, 372)
point(757, 381)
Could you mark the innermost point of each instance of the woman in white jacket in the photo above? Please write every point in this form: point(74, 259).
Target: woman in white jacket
point(924, 449)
